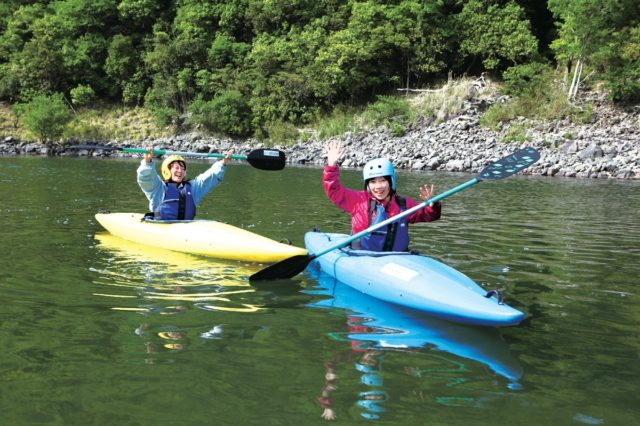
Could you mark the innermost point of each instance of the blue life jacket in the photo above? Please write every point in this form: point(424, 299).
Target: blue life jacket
point(393, 237)
point(178, 202)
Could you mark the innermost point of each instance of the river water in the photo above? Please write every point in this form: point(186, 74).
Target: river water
point(95, 330)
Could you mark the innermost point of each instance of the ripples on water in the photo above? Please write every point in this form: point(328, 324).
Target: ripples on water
point(117, 330)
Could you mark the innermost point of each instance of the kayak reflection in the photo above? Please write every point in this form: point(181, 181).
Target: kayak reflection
point(376, 327)
point(172, 261)
point(157, 284)
point(166, 276)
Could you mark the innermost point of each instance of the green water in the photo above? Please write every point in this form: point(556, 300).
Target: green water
point(95, 331)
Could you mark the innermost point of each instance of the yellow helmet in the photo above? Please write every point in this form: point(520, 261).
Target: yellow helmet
point(166, 164)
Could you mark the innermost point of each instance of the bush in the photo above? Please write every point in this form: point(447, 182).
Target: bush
point(341, 120)
point(498, 113)
point(535, 94)
point(82, 95)
point(282, 133)
point(622, 88)
point(516, 133)
point(228, 113)
point(529, 80)
point(46, 116)
point(389, 111)
point(133, 91)
point(163, 116)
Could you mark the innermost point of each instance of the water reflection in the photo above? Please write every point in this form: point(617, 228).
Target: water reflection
point(155, 282)
point(375, 328)
point(163, 275)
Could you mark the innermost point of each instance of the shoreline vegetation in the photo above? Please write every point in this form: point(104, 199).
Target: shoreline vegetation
point(460, 127)
point(432, 85)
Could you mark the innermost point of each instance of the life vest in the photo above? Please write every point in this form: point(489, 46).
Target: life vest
point(393, 237)
point(177, 204)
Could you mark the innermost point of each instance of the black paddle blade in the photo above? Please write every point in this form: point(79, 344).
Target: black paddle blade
point(266, 159)
point(510, 164)
point(287, 268)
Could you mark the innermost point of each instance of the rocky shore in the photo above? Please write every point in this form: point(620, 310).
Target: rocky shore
point(606, 147)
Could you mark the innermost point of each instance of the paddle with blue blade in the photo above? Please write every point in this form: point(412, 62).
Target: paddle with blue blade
point(262, 158)
point(501, 169)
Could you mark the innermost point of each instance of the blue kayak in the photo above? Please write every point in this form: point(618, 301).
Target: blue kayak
point(411, 280)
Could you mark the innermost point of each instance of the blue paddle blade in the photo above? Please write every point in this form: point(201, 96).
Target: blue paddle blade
point(510, 164)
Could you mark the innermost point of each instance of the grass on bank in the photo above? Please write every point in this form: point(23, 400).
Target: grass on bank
point(397, 113)
point(540, 99)
point(101, 123)
point(106, 123)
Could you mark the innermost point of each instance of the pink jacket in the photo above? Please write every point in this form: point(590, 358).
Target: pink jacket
point(356, 203)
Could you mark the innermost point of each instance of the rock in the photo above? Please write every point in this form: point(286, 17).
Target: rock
point(591, 152)
point(418, 165)
point(569, 147)
point(455, 165)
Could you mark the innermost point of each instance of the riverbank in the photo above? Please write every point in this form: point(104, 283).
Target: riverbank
point(607, 147)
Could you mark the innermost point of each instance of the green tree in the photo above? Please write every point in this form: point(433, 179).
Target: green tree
point(422, 39)
point(162, 62)
point(227, 113)
point(140, 13)
point(18, 29)
point(82, 95)
point(282, 79)
point(596, 34)
point(620, 61)
point(83, 61)
point(497, 34)
point(122, 62)
point(361, 55)
point(40, 64)
point(277, 17)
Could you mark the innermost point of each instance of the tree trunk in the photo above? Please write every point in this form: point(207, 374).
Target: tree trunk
point(408, 76)
point(565, 76)
point(575, 83)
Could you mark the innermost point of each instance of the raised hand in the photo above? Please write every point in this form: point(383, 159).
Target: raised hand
point(149, 154)
point(333, 150)
point(227, 157)
point(427, 192)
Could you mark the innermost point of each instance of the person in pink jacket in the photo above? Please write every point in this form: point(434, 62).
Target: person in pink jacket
point(377, 202)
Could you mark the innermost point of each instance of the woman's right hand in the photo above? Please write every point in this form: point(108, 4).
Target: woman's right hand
point(334, 151)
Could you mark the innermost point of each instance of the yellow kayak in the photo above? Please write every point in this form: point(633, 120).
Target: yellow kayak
point(203, 237)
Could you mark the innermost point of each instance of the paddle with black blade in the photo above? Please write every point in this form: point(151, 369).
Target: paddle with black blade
point(501, 169)
point(263, 159)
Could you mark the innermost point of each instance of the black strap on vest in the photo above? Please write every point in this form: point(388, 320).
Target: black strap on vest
point(392, 228)
point(182, 201)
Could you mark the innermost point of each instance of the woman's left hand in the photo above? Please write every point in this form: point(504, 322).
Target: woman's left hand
point(427, 192)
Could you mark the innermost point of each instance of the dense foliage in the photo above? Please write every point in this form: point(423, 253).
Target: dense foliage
point(240, 67)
